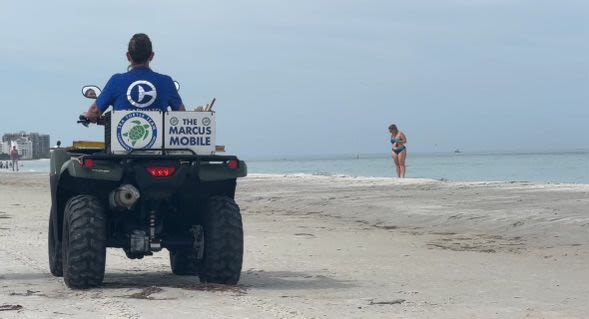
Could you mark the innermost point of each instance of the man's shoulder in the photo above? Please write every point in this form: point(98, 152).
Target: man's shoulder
point(163, 76)
point(116, 77)
point(146, 74)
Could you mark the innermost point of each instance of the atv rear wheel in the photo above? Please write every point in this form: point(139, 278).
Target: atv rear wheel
point(223, 239)
point(184, 263)
point(84, 242)
point(55, 256)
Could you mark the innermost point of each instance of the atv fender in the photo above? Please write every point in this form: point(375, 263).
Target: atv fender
point(104, 171)
point(62, 161)
point(58, 158)
point(212, 172)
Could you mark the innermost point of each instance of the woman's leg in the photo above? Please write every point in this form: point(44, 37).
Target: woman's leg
point(396, 159)
point(401, 158)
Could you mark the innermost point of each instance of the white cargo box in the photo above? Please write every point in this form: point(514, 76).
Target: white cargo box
point(135, 130)
point(190, 130)
point(154, 130)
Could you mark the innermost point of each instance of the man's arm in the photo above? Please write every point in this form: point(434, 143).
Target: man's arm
point(103, 101)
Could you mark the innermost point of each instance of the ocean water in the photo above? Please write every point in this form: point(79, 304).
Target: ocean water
point(540, 167)
point(41, 165)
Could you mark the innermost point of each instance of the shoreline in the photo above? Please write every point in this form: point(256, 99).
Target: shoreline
point(572, 168)
point(390, 180)
point(410, 180)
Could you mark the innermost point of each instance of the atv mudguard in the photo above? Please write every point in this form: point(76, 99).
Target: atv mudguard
point(212, 173)
point(62, 161)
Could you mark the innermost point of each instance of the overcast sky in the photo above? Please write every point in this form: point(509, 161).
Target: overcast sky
point(317, 77)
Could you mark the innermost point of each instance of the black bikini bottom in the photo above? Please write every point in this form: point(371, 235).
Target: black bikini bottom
point(399, 150)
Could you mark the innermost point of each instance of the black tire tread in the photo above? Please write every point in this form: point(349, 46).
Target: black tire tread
point(223, 255)
point(55, 255)
point(84, 242)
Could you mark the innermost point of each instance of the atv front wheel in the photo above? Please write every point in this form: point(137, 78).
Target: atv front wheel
point(223, 239)
point(84, 242)
point(55, 260)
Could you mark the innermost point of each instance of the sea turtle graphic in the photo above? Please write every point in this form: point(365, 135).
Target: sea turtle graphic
point(137, 132)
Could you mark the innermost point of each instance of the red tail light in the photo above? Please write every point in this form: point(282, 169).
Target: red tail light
point(87, 163)
point(232, 164)
point(161, 171)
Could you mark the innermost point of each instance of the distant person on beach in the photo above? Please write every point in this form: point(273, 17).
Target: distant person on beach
point(14, 158)
point(140, 87)
point(398, 140)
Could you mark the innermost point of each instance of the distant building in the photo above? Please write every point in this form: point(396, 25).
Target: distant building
point(25, 149)
point(40, 145)
point(29, 145)
point(4, 148)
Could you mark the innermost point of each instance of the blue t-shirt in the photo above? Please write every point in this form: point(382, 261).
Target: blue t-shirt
point(139, 89)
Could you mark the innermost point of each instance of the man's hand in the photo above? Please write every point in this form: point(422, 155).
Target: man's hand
point(93, 113)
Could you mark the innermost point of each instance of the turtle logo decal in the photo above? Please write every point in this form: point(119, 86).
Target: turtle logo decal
point(136, 130)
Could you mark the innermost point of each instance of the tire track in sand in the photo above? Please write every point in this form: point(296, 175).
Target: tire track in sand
point(110, 307)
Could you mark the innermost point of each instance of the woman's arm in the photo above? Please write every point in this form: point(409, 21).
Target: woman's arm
point(403, 138)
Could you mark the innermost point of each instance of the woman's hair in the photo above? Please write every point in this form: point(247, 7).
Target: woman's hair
point(393, 127)
point(140, 48)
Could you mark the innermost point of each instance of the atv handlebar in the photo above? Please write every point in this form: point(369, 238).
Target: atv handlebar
point(85, 121)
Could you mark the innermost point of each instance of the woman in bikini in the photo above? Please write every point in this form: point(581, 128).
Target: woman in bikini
point(398, 139)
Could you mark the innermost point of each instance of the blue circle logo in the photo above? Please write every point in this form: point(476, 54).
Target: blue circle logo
point(136, 130)
point(141, 94)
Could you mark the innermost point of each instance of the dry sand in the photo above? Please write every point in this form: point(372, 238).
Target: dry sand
point(329, 247)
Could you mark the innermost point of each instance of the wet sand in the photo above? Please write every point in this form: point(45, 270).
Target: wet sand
point(332, 247)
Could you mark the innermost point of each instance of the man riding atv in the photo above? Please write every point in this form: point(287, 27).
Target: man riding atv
point(138, 89)
point(155, 183)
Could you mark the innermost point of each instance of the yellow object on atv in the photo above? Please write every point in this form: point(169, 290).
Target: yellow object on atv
point(87, 145)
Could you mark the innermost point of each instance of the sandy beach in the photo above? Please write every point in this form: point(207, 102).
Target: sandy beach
point(334, 247)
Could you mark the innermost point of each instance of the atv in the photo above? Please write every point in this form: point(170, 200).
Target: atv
point(142, 194)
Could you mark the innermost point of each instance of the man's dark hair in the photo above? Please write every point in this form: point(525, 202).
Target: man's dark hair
point(140, 48)
point(393, 127)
